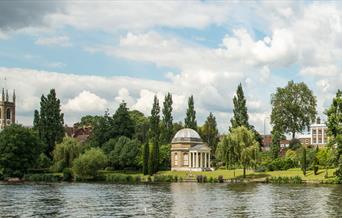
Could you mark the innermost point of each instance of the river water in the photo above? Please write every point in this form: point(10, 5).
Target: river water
point(170, 200)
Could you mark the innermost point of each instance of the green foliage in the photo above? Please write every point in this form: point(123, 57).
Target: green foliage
point(87, 164)
point(240, 115)
point(146, 157)
point(121, 178)
point(277, 164)
point(239, 146)
point(20, 148)
point(154, 137)
point(303, 161)
point(167, 121)
point(295, 144)
point(176, 127)
point(190, 119)
point(50, 123)
point(291, 155)
point(141, 126)
point(67, 174)
point(209, 132)
point(275, 146)
point(88, 120)
point(65, 153)
point(101, 132)
point(122, 123)
point(315, 161)
point(43, 161)
point(165, 157)
point(284, 180)
point(293, 108)
point(326, 158)
point(123, 152)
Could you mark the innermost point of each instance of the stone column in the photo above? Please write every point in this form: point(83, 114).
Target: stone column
point(209, 160)
point(317, 136)
point(201, 160)
point(197, 159)
point(205, 160)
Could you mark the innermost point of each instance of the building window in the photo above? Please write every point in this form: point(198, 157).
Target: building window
point(314, 140)
point(176, 159)
point(314, 132)
point(186, 159)
point(8, 114)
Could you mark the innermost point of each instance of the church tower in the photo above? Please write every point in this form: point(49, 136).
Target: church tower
point(7, 109)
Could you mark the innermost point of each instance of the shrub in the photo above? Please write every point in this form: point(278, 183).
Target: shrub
point(284, 180)
point(211, 180)
point(43, 178)
point(87, 164)
point(199, 178)
point(67, 175)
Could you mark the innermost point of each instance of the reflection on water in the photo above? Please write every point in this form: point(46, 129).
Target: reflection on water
point(175, 200)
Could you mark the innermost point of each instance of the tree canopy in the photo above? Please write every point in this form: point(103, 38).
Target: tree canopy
point(20, 148)
point(167, 120)
point(293, 108)
point(209, 132)
point(154, 136)
point(190, 119)
point(50, 122)
point(240, 114)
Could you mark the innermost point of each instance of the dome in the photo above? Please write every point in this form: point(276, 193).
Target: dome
point(186, 135)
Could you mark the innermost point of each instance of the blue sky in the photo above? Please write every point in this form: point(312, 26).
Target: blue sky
point(97, 54)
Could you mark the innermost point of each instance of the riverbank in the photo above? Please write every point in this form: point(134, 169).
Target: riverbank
point(218, 176)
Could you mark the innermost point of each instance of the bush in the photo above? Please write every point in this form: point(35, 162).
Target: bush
point(277, 164)
point(284, 180)
point(87, 164)
point(67, 175)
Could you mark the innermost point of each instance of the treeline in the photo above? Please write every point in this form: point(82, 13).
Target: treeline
point(124, 140)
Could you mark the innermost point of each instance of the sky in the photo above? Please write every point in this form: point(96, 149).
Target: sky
point(98, 54)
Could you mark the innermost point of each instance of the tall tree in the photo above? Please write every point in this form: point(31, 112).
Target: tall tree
point(167, 120)
point(190, 120)
point(146, 157)
point(275, 146)
point(51, 121)
point(141, 125)
point(209, 132)
point(122, 123)
point(101, 130)
point(293, 108)
point(36, 120)
point(154, 136)
point(303, 162)
point(334, 124)
point(240, 117)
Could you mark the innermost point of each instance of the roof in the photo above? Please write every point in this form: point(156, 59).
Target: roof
point(200, 147)
point(186, 135)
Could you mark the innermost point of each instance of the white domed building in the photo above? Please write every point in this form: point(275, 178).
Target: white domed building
point(189, 152)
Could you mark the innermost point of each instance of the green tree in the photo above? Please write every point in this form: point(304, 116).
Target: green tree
point(123, 152)
point(122, 124)
point(87, 165)
point(36, 120)
point(20, 148)
point(277, 136)
point(315, 162)
point(228, 153)
point(154, 136)
point(141, 125)
point(176, 127)
point(65, 152)
point(88, 120)
point(165, 157)
point(101, 132)
point(293, 108)
point(51, 121)
point(146, 153)
point(240, 117)
point(325, 158)
point(304, 162)
point(240, 146)
point(209, 132)
point(190, 120)
point(167, 120)
point(334, 124)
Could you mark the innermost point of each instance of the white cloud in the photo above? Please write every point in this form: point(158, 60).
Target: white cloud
point(62, 41)
point(86, 102)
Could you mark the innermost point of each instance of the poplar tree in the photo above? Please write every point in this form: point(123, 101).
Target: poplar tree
point(154, 136)
point(51, 122)
point(167, 119)
point(146, 155)
point(240, 114)
point(209, 132)
point(190, 120)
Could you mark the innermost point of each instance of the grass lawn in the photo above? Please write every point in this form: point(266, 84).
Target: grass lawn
point(229, 174)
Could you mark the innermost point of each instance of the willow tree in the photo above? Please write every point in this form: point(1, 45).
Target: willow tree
point(239, 146)
point(293, 108)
